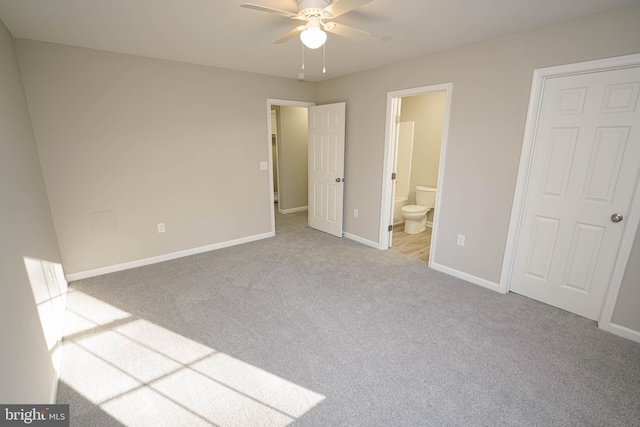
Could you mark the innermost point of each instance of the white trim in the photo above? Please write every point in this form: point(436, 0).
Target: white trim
point(281, 103)
point(362, 240)
point(633, 217)
point(393, 107)
point(292, 210)
point(166, 257)
point(53, 396)
point(467, 277)
point(387, 201)
point(621, 331)
point(626, 61)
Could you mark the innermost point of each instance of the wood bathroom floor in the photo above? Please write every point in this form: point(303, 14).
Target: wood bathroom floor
point(415, 246)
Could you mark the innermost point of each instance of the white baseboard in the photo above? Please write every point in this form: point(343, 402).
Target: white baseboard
point(53, 397)
point(167, 257)
point(360, 240)
point(624, 332)
point(292, 210)
point(468, 277)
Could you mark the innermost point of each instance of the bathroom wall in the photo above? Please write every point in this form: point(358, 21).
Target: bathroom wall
point(427, 112)
point(403, 169)
point(403, 163)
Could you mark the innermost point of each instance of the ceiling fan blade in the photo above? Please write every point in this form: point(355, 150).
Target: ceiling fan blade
point(269, 10)
point(349, 32)
point(340, 7)
point(288, 36)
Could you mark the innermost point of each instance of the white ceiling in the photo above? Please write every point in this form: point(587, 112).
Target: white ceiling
point(221, 34)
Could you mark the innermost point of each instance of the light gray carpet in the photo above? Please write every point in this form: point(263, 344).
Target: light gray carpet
point(313, 330)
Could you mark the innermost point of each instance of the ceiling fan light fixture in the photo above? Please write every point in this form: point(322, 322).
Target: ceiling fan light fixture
point(313, 37)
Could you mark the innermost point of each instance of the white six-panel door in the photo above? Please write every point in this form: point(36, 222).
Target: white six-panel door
point(326, 167)
point(583, 173)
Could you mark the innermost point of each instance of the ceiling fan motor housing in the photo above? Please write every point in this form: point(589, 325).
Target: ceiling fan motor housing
point(312, 7)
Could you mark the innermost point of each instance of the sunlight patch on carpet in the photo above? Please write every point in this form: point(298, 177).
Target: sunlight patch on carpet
point(143, 374)
point(85, 312)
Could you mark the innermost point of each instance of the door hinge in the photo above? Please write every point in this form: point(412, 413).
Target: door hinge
point(393, 175)
point(390, 228)
point(397, 119)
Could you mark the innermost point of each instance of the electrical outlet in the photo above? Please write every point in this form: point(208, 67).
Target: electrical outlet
point(461, 238)
point(355, 213)
point(161, 227)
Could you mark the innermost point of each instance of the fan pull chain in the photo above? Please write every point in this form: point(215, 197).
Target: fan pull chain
point(302, 55)
point(324, 58)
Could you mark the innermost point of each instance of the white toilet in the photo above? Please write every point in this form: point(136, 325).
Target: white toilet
point(416, 215)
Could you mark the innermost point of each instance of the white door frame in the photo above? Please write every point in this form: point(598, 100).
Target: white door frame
point(393, 106)
point(281, 103)
point(632, 218)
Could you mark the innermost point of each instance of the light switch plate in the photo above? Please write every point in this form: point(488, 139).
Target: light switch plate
point(264, 166)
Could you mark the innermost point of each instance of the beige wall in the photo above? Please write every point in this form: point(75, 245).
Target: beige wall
point(127, 142)
point(27, 240)
point(627, 312)
point(491, 85)
point(427, 112)
point(292, 155)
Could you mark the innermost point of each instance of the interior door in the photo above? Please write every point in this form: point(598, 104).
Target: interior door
point(583, 173)
point(397, 106)
point(326, 167)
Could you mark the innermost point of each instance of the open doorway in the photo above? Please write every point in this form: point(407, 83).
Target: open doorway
point(287, 145)
point(414, 158)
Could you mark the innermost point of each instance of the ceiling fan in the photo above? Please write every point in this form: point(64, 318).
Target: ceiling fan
point(315, 13)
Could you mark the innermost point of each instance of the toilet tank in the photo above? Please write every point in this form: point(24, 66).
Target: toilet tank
point(426, 196)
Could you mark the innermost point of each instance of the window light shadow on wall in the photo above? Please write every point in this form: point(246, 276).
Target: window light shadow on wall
point(143, 374)
point(49, 289)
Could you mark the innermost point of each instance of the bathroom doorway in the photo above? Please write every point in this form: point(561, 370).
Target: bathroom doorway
point(416, 145)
